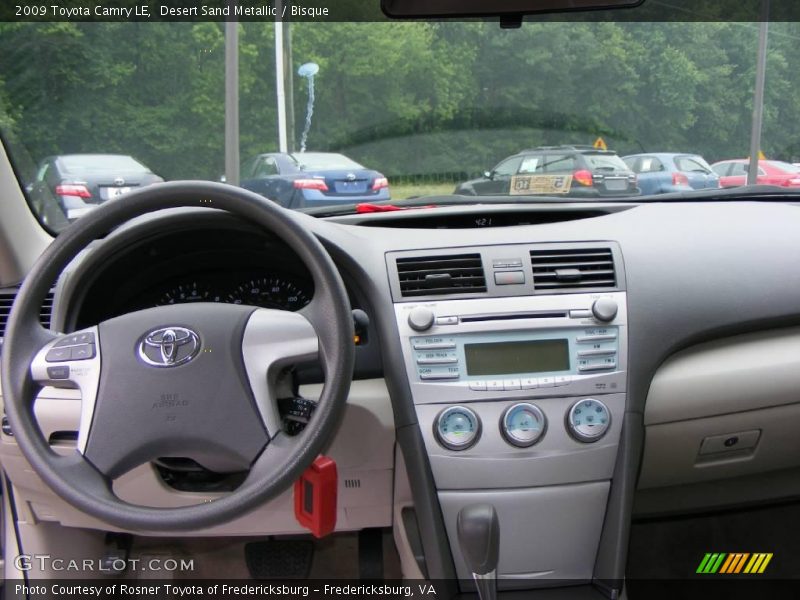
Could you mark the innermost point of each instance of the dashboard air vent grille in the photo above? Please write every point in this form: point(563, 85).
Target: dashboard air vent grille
point(7, 299)
point(571, 268)
point(437, 275)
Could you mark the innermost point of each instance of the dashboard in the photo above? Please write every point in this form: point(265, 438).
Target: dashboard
point(506, 383)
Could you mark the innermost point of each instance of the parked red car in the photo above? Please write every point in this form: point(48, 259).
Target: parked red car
point(733, 173)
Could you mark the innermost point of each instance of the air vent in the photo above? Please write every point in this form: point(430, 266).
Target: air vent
point(437, 275)
point(7, 299)
point(352, 483)
point(572, 268)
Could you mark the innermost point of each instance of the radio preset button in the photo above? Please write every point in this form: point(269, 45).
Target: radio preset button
point(529, 383)
point(563, 380)
point(511, 384)
point(494, 385)
point(478, 386)
point(547, 382)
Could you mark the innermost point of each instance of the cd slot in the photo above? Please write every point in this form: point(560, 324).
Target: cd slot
point(515, 316)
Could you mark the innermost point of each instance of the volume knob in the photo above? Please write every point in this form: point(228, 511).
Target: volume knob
point(420, 318)
point(604, 309)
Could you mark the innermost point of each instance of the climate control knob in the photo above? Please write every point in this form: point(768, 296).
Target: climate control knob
point(420, 318)
point(588, 420)
point(604, 309)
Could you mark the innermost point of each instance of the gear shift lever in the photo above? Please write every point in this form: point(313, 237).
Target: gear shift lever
point(479, 538)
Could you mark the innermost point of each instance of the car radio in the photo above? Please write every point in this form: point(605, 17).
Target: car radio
point(462, 350)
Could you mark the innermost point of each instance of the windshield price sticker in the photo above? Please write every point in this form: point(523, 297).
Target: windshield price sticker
point(525, 185)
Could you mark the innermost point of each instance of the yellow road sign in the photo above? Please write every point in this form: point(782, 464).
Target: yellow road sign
point(600, 144)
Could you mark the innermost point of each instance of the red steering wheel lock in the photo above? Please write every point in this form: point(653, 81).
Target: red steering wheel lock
point(315, 497)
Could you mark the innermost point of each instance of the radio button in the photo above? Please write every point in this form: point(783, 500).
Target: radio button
point(494, 385)
point(434, 346)
point(478, 386)
point(580, 314)
point(529, 383)
point(547, 382)
point(511, 384)
point(590, 339)
point(447, 320)
point(444, 360)
point(563, 380)
point(438, 375)
point(597, 367)
point(597, 352)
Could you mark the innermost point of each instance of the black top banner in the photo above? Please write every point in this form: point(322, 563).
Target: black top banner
point(368, 10)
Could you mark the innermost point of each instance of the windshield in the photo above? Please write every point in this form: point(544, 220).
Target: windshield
point(311, 161)
point(464, 110)
point(87, 163)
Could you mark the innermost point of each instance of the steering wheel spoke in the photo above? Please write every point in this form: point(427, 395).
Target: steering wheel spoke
point(272, 341)
point(72, 361)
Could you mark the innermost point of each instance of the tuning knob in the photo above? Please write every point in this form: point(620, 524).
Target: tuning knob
point(420, 318)
point(604, 309)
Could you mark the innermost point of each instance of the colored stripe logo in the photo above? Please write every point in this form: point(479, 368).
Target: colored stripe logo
point(734, 563)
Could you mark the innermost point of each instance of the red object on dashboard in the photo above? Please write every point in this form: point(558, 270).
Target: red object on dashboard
point(368, 207)
point(315, 497)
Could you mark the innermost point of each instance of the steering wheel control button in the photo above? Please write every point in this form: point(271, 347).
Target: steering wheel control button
point(168, 346)
point(588, 420)
point(605, 309)
point(457, 428)
point(86, 337)
point(82, 352)
point(421, 318)
point(523, 424)
point(58, 354)
point(58, 372)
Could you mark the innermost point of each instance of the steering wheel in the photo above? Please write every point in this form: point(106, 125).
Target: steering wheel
point(193, 380)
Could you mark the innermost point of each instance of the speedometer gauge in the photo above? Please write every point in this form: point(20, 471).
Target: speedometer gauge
point(270, 292)
point(191, 291)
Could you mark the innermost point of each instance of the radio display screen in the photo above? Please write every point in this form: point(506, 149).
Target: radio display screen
point(527, 356)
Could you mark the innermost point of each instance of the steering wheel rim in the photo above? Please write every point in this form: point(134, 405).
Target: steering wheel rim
point(78, 481)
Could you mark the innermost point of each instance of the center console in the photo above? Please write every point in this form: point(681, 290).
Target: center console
point(516, 357)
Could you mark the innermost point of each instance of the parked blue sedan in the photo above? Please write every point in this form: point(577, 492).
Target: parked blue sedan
point(310, 179)
point(663, 172)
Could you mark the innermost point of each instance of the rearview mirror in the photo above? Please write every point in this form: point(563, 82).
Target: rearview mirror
point(422, 9)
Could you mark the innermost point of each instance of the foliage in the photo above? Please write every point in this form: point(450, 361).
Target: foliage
point(405, 98)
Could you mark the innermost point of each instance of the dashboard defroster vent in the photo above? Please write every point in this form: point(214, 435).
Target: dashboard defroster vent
point(7, 299)
point(572, 268)
point(438, 275)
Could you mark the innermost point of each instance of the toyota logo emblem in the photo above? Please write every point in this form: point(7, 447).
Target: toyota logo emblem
point(119, 181)
point(169, 346)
